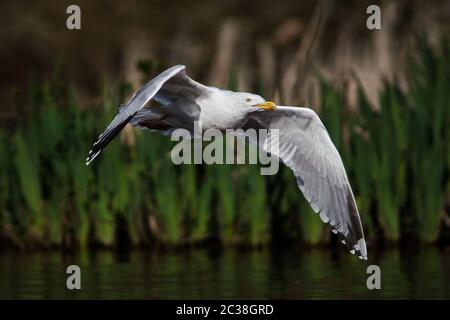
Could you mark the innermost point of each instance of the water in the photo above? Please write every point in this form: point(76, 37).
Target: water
point(227, 274)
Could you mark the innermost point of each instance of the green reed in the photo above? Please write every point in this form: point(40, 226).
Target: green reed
point(397, 158)
point(429, 124)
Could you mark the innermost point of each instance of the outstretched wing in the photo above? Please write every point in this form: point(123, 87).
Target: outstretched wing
point(180, 86)
point(164, 88)
point(306, 148)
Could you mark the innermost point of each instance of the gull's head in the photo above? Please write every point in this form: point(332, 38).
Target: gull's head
point(254, 102)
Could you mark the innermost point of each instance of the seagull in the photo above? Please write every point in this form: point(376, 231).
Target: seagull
point(304, 144)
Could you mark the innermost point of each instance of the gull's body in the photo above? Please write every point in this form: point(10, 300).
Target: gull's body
point(212, 115)
point(304, 144)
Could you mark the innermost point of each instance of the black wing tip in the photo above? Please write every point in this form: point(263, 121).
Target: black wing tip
point(105, 138)
point(92, 155)
point(358, 247)
point(354, 241)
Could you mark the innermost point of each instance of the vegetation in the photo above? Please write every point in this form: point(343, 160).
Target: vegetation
point(397, 157)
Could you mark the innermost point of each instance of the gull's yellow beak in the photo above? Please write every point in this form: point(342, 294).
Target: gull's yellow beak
point(268, 105)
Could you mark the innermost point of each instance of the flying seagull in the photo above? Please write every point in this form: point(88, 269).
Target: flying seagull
point(304, 144)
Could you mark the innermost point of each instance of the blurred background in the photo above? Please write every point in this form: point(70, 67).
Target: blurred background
point(382, 94)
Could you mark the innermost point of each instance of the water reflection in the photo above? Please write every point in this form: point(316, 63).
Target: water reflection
point(197, 274)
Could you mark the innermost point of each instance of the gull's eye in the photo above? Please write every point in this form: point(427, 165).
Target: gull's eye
point(248, 99)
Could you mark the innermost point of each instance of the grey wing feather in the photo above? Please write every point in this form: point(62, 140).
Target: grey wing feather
point(306, 148)
point(179, 87)
point(136, 103)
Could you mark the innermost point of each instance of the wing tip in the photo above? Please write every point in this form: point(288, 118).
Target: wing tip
point(91, 156)
point(356, 247)
point(361, 248)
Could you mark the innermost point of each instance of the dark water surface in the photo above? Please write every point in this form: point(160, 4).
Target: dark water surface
point(227, 274)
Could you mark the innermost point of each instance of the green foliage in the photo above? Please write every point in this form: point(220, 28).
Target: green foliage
point(26, 162)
